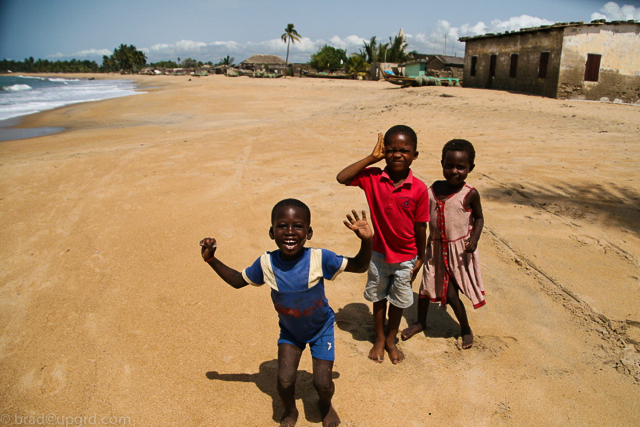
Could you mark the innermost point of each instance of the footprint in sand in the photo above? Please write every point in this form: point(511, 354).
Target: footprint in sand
point(490, 346)
point(50, 379)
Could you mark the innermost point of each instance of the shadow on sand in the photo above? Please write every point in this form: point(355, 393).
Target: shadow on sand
point(265, 380)
point(602, 203)
point(357, 319)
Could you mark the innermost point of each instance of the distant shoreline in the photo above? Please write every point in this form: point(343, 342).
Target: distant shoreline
point(16, 128)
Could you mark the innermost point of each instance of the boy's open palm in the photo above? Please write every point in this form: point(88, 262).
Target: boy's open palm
point(359, 226)
point(378, 151)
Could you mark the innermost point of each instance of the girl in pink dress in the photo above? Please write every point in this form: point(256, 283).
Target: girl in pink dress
point(452, 263)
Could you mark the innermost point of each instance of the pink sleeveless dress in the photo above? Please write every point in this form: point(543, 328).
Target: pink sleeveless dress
point(448, 261)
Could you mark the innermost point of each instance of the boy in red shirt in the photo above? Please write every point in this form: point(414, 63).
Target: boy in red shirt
point(399, 205)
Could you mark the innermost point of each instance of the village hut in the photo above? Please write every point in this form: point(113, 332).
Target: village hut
point(268, 63)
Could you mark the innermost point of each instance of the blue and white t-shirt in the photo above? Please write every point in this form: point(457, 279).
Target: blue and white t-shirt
point(297, 288)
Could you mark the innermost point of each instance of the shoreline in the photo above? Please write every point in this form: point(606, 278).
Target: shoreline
point(14, 128)
point(107, 308)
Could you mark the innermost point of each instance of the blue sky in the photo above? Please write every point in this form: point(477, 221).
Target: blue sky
point(208, 30)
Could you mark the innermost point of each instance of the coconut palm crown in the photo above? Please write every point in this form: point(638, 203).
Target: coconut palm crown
point(290, 36)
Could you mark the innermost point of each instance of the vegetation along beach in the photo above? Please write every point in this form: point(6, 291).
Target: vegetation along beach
point(107, 309)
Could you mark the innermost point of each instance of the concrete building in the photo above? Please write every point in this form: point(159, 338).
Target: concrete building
point(594, 61)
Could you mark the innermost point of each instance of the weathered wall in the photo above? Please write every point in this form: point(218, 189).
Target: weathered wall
point(451, 71)
point(619, 76)
point(528, 46)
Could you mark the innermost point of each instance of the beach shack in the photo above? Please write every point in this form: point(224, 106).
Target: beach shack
point(593, 61)
point(272, 63)
point(415, 68)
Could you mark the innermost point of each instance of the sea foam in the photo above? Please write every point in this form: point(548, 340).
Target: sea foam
point(24, 95)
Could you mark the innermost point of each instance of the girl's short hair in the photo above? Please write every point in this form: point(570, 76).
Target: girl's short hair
point(460, 145)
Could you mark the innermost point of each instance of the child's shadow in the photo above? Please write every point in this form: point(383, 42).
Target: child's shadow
point(440, 324)
point(357, 319)
point(266, 378)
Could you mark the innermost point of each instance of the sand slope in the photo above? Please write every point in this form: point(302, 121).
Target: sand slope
point(107, 309)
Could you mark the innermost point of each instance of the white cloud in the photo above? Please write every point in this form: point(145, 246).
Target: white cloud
point(214, 51)
point(92, 54)
point(443, 39)
point(351, 43)
point(612, 12)
point(517, 22)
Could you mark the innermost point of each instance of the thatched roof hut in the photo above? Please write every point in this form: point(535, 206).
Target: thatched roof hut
point(264, 60)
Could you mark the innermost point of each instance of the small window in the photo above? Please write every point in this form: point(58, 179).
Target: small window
point(513, 68)
point(492, 65)
point(592, 68)
point(474, 65)
point(542, 68)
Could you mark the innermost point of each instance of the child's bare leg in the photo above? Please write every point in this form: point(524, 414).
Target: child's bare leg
point(323, 383)
point(453, 298)
point(395, 316)
point(379, 314)
point(423, 308)
point(288, 361)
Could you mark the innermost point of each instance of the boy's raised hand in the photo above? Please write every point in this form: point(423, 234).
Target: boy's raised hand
point(378, 151)
point(359, 226)
point(208, 248)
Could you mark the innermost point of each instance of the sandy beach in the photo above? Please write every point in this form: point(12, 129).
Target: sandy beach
point(108, 311)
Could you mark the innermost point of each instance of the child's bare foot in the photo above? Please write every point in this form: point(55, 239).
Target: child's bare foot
point(289, 419)
point(395, 355)
point(330, 417)
point(411, 331)
point(377, 352)
point(467, 340)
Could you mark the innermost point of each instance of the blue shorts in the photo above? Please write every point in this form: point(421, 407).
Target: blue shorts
point(390, 280)
point(323, 346)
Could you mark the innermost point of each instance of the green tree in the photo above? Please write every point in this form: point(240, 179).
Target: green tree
point(190, 63)
point(164, 64)
point(125, 58)
point(382, 52)
point(328, 57)
point(396, 51)
point(227, 60)
point(368, 52)
point(289, 36)
point(356, 65)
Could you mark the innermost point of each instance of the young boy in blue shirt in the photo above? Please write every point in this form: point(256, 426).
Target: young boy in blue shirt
point(296, 276)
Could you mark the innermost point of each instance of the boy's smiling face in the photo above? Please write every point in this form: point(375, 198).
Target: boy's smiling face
point(400, 152)
point(291, 229)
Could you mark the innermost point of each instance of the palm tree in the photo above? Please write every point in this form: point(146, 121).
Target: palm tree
point(228, 60)
point(356, 65)
point(368, 53)
point(290, 36)
point(396, 51)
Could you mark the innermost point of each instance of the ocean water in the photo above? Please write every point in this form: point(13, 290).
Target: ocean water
point(23, 95)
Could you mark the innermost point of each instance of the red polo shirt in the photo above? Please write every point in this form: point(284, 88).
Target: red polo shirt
point(394, 212)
